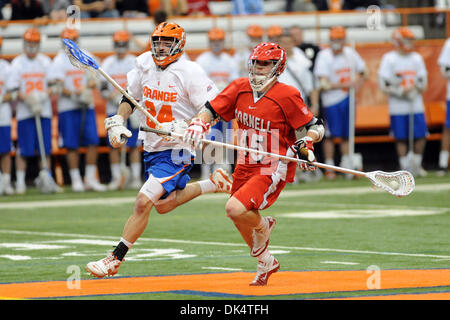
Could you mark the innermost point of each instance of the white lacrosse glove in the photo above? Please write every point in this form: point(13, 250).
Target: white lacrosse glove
point(35, 101)
point(118, 134)
point(176, 126)
point(195, 132)
point(304, 148)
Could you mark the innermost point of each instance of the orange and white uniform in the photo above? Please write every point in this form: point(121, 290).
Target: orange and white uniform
point(221, 69)
point(5, 108)
point(178, 92)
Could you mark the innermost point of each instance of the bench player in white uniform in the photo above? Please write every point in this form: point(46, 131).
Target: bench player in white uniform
point(5, 129)
point(76, 116)
point(444, 63)
point(29, 80)
point(171, 90)
point(333, 69)
point(403, 76)
point(255, 34)
point(221, 68)
point(117, 66)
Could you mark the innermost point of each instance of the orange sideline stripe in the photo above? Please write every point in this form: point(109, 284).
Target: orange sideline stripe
point(236, 283)
point(412, 296)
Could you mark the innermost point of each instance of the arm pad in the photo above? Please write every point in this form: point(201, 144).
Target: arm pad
point(125, 99)
point(316, 125)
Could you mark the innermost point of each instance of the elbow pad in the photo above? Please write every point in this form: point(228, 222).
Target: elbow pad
point(316, 125)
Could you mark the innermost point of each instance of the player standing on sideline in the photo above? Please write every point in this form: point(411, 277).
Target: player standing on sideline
point(76, 116)
point(274, 33)
point(221, 68)
point(268, 113)
point(403, 76)
point(444, 62)
point(5, 129)
point(28, 81)
point(255, 34)
point(172, 90)
point(333, 70)
point(117, 66)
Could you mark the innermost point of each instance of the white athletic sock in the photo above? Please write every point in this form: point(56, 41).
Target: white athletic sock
point(75, 175)
point(403, 163)
point(115, 171)
point(20, 175)
point(207, 186)
point(418, 160)
point(125, 242)
point(443, 159)
point(263, 223)
point(265, 257)
point(91, 171)
point(205, 170)
point(329, 162)
point(136, 170)
point(6, 179)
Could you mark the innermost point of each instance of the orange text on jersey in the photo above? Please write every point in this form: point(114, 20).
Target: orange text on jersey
point(160, 95)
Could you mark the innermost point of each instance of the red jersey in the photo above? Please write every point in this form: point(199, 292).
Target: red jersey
point(267, 123)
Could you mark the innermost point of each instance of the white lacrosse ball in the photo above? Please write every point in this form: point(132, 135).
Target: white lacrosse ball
point(394, 185)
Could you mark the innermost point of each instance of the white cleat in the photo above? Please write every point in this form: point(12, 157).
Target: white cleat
point(21, 188)
point(135, 184)
point(222, 179)
point(77, 186)
point(108, 266)
point(264, 271)
point(115, 184)
point(261, 237)
point(8, 190)
point(94, 185)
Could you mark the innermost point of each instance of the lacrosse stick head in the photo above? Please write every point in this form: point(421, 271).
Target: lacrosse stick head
point(398, 183)
point(77, 57)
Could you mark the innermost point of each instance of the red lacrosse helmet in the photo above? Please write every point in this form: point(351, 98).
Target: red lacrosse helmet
point(167, 31)
point(266, 51)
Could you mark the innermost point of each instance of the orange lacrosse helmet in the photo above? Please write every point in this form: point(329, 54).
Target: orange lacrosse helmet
point(167, 31)
point(255, 31)
point(337, 33)
point(402, 38)
point(216, 34)
point(121, 36)
point(274, 31)
point(70, 33)
point(32, 35)
point(1, 41)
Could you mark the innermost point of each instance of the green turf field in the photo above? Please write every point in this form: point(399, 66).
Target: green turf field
point(338, 225)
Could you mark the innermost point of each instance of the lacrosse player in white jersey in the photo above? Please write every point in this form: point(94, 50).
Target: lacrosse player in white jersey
point(5, 129)
point(333, 69)
point(444, 63)
point(28, 81)
point(173, 91)
point(255, 34)
point(222, 69)
point(76, 116)
point(403, 76)
point(117, 66)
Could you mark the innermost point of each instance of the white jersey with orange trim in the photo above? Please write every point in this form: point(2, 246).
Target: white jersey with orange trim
point(73, 79)
point(117, 69)
point(28, 75)
point(222, 68)
point(337, 68)
point(241, 59)
point(444, 62)
point(297, 73)
point(178, 92)
point(403, 70)
point(5, 108)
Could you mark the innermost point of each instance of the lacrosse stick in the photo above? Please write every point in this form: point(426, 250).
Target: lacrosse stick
point(352, 107)
point(399, 183)
point(45, 180)
point(124, 170)
point(410, 155)
point(81, 60)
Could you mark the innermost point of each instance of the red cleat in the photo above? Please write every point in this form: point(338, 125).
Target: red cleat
point(265, 270)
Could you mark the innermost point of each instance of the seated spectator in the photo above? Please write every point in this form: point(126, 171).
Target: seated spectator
point(242, 7)
point(97, 9)
point(56, 9)
point(171, 7)
point(300, 5)
point(198, 8)
point(26, 9)
point(132, 8)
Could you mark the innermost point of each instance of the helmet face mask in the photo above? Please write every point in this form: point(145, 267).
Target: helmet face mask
point(120, 47)
point(216, 46)
point(167, 43)
point(403, 39)
point(266, 62)
point(31, 48)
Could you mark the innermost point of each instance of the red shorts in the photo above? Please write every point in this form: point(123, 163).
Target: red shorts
point(254, 189)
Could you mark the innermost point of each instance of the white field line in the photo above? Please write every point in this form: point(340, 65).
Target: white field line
point(228, 244)
point(340, 262)
point(127, 200)
point(220, 268)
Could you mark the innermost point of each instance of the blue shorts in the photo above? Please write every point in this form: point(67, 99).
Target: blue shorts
point(400, 126)
point(337, 118)
point(171, 167)
point(5, 139)
point(69, 125)
point(447, 120)
point(133, 141)
point(27, 138)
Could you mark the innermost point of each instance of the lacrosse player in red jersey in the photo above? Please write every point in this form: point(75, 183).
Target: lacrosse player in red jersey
point(268, 114)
